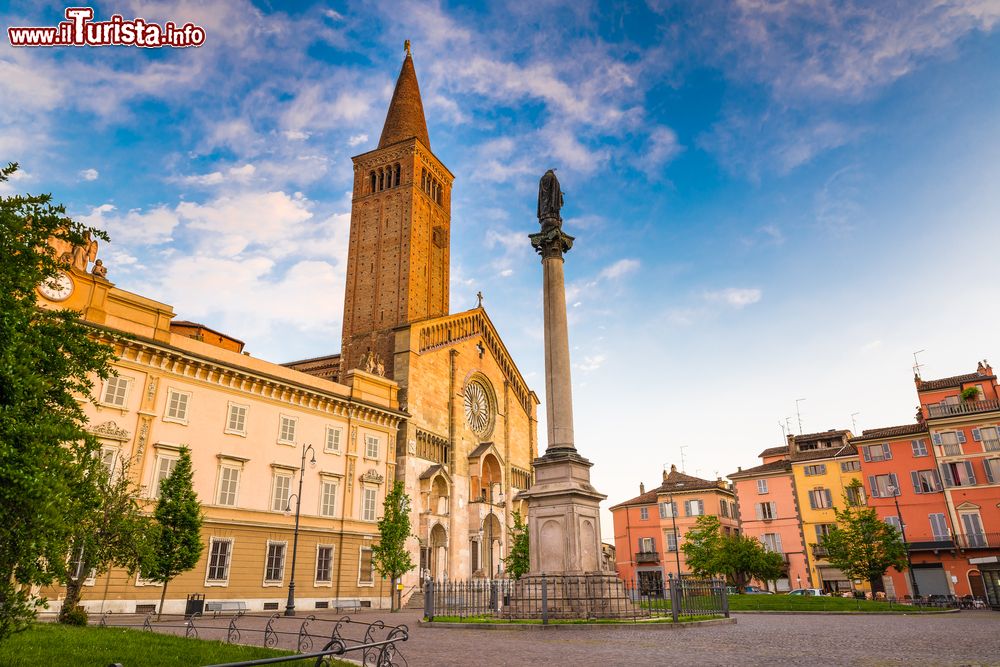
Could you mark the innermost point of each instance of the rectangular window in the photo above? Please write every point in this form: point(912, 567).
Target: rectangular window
point(324, 564)
point(939, 526)
point(219, 552)
point(724, 508)
point(644, 513)
point(366, 571)
point(950, 442)
point(761, 486)
point(820, 499)
point(274, 568)
point(646, 545)
point(884, 486)
point(109, 457)
point(992, 467)
point(333, 436)
point(229, 483)
point(919, 447)
point(877, 452)
point(164, 466)
point(850, 466)
point(236, 422)
point(925, 481)
point(817, 469)
point(991, 438)
point(894, 522)
point(670, 539)
point(766, 511)
point(822, 530)
point(667, 510)
point(177, 406)
point(328, 502)
point(280, 487)
point(959, 473)
point(116, 391)
point(855, 495)
point(286, 430)
point(371, 447)
point(772, 542)
point(694, 507)
point(368, 510)
point(972, 526)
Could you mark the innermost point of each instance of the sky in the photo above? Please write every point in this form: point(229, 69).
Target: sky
point(772, 200)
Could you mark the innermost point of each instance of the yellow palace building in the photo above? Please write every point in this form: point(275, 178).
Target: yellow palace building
point(823, 467)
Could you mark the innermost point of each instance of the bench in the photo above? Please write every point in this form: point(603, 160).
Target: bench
point(217, 607)
point(348, 605)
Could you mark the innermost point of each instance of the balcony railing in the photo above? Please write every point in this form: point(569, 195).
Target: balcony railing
point(820, 552)
point(964, 408)
point(937, 544)
point(647, 557)
point(951, 450)
point(978, 540)
point(991, 445)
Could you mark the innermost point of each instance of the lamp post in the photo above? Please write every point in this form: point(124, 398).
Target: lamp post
point(902, 531)
point(290, 605)
point(677, 545)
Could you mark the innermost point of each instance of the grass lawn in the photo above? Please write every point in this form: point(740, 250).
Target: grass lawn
point(817, 603)
point(48, 644)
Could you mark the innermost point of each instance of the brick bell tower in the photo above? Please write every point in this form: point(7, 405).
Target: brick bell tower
point(398, 258)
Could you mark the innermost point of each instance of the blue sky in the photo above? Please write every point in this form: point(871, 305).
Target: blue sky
point(772, 200)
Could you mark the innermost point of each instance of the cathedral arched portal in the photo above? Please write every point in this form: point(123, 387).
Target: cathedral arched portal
point(439, 552)
point(492, 546)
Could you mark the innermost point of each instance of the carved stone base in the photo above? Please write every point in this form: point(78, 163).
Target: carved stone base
point(585, 596)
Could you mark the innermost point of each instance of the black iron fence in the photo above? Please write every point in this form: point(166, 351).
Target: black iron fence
point(309, 637)
point(569, 597)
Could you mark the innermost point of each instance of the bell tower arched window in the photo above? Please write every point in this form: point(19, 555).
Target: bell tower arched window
point(371, 176)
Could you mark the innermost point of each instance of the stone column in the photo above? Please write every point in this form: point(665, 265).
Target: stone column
point(558, 384)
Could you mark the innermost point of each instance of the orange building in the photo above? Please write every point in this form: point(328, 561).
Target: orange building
point(650, 527)
point(768, 510)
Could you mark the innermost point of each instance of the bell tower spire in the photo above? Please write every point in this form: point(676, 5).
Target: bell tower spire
point(399, 251)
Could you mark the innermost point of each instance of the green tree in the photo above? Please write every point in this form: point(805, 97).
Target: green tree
point(861, 545)
point(390, 556)
point(48, 361)
point(175, 540)
point(110, 530)
point(518, 562)
point(738, 558)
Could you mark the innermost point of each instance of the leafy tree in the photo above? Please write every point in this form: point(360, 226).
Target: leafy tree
point(175, 540)
point(739, 558)
point(48, 361)
point(390, 556)
point(862, 546)
point(518, 562)
point(110, 530)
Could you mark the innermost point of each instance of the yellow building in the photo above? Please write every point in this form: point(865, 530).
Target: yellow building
point(823, 467)
point(246, 423)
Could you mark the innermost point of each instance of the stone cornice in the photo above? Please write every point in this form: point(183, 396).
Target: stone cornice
point(160, 357)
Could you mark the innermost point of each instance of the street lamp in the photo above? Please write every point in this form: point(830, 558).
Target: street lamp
point(902, 531)
point(677, 546)
point(290, 605)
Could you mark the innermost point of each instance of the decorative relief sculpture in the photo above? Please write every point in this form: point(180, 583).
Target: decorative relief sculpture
point(112, 431)
point(373, 477)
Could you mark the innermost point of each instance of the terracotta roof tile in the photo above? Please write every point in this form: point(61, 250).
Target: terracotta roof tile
point(890, 432)
point(675, 482)
point(773, 466)
point(953, 381)
point(774, 451)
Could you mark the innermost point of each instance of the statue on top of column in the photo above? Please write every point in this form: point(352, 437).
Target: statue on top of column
point(550, 199)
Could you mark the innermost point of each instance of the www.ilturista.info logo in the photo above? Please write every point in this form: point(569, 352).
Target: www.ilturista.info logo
point(79, 29)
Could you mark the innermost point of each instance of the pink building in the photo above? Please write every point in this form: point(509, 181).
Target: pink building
point(768, 510)
point(650, 527)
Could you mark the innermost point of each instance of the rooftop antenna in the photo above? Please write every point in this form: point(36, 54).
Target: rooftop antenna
point(916, 364)
point(788, 424)
point(784, 433)
point(854, 422)
point(799, 414)
point(682, 448)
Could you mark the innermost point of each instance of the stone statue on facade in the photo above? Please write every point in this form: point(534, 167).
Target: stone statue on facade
point(99, 269)
point(85, 253)
point(550, 199)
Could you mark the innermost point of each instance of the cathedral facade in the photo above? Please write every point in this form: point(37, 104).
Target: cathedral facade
point(465, 449)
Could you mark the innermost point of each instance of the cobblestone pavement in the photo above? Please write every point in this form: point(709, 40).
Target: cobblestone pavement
point(966, 638)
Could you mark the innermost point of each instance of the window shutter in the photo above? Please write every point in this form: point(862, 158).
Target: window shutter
point(970, 471)
point(886, 452)
point(915, 478)
point(701, 507)
point(760, 510)
point(829, 497)
point(895, 483)
point(774, 510)
point(864, 451)
point(936, 438)
point(937, 480)
point(812, 499)
point(961, 436)
point(977, 435)
point(873, 485)
point(989, 471)
point(949, 479)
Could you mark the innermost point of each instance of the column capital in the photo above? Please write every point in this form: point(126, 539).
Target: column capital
point(552, 241)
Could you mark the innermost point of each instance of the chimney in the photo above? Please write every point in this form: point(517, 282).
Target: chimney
point(642, 488)
point(986, 368)
point(739, 468)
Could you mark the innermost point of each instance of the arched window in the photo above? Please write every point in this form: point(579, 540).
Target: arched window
point(423, 180)
point(381, 179)
point(372, 176)
point(397, 173)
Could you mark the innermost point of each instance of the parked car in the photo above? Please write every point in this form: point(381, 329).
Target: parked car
point(806, 591)
point(755, 590)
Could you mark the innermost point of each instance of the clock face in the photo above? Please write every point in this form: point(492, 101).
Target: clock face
point(478, 410)
point(58, 289)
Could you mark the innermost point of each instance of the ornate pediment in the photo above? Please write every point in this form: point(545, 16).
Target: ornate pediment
point(111, 431)
point(372, 477)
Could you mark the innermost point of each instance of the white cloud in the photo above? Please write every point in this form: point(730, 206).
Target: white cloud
point(217, 177)
point(136, 227)
point(662, 147)
point(232, 223)
point(89, 174)
point(295, 135)
point(591, 363)
point(621, 268)
point(357, 139)
point(735, 296)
